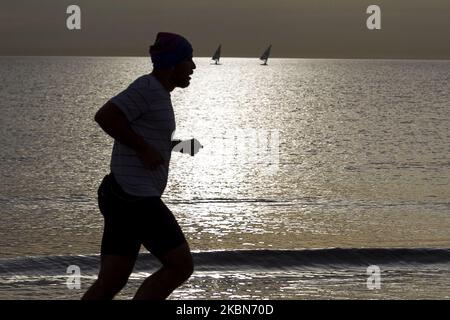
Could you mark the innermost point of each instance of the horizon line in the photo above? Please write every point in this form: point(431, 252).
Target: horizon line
point(241, 57)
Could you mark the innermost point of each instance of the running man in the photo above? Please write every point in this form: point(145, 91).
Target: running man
point(141, 121)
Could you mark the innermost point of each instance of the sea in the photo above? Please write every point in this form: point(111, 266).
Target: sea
point(318, 178)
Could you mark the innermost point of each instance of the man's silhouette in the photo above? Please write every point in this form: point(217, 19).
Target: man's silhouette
point(141, 121)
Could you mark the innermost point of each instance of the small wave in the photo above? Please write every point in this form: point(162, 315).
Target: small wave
point(241, 260)
point(222, 200)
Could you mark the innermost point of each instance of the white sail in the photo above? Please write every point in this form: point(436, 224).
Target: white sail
point(266, 54)
point(216, 55)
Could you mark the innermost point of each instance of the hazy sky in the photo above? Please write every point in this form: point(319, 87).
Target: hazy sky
point(296, 28)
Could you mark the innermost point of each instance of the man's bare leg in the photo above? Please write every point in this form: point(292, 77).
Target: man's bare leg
point(177, 268)
point(113, 276)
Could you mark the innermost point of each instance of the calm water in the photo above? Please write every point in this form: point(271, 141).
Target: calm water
point(363, 161)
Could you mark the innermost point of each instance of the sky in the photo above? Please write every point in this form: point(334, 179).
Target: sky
point(415, 29)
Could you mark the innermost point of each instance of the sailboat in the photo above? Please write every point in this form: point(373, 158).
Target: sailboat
point(216, 56)
point(265, 55)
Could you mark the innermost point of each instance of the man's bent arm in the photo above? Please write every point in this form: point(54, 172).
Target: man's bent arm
point(114, 122)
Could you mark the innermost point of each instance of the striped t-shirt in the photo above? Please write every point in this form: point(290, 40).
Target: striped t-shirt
point(147, 105)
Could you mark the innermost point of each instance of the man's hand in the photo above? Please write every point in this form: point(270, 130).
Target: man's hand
point(191, 146)
point(150, 158)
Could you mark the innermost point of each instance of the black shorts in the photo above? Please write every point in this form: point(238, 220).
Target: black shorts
point(131, 221)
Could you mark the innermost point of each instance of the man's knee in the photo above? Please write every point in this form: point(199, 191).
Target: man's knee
point(182, 268)
point(186, 269)
point(180, 262)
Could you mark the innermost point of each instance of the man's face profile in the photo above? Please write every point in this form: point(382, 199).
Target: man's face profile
point(182, 71)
